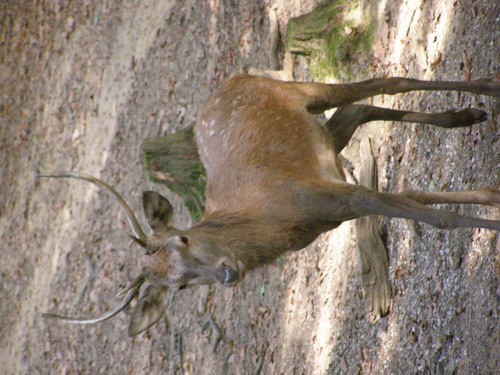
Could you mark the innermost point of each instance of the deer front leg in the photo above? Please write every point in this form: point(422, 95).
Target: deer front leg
point(319, 97)
point(366, 202)
point(347, 119)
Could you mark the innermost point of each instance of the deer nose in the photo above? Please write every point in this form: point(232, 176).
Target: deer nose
point(227, 275)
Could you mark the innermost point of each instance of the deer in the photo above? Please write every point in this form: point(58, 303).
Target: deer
point(275, 182)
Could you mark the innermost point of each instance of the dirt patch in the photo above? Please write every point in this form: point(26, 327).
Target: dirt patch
point(83, 84)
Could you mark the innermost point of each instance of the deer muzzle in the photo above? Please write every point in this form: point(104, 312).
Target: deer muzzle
point(229, 273)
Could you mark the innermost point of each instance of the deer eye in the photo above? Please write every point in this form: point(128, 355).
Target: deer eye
point(184, 240)
point(183, 287)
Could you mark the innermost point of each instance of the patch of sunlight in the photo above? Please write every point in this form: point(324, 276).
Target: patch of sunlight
point(144, 23)
point(331, 80)
point(293, 319)
point(333, 266)
point(437, 40)
point(428, 47)
point(328, 293)
point(409, 13)
point(478, 252)
point(42, 275)
point(214, 30)
point(389, 342)
point(355, 15)
point(382, 5)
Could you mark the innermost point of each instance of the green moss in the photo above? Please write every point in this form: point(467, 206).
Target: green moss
point(331, 39)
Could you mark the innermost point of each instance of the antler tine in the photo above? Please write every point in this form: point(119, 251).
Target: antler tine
point(136, 283)
point(140, 237)
point(132, 293)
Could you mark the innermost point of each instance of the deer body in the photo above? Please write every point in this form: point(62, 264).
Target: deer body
point(265, 157)
point(275, 183)
point(274, 176)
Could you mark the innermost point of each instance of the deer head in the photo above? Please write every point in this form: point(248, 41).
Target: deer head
point(173, 259)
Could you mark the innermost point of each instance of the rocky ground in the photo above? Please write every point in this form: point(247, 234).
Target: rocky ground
point(83, 83)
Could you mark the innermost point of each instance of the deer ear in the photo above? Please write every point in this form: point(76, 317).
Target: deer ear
point(149, 310)
point(158, 211)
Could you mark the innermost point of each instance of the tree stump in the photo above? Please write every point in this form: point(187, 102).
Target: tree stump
point(370, 249)
point(336, 36)
point(309, 33)
point(174, 161)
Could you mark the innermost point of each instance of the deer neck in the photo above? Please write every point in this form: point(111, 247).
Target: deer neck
point(256, 241)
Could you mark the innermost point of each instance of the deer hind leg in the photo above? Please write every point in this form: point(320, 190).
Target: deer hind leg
point(487, 196)
point(346, 119)
point(319, 97)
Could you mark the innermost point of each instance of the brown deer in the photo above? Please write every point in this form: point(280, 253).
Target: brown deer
point(275, 183)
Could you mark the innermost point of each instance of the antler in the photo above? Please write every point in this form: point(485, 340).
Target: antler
point(139, 235)
point(133, 292)
point(151, 305)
